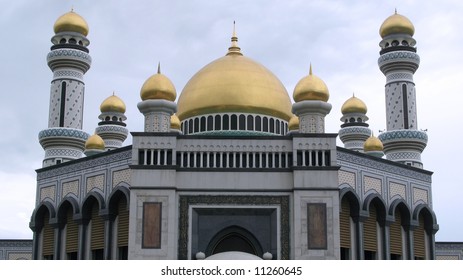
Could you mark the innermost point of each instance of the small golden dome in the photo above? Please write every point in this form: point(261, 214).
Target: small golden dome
point(354, 105)
point(112, 104)
point(234, 83)
point(311, 87)
point(158, 86)
point(71, 21)
point(373, 144)
point(293, 123)
point(94, 142)
point(174, 122)
point(396, 24)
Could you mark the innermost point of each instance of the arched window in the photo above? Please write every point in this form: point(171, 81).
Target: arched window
point(242, 122)
point(226, 122)
point(62, 41)
point(196, 125)
point(277, 126)
point(250, 125)
point(217, 122)
point(272, 125)
point(210, 123)
point(234, 122)
point(190, 126)
point(265, 124)
point(203, 124)
point(72, 41)
point(258, 124)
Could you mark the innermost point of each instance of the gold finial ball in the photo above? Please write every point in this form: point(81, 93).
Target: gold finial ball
point(94, 142)
point(311, 87)
point(158, 86)
point(174, 122)
point(373, 144)
point(354, 105)
point(72, 22)
point(113, 104)
point(293, 123)
point(396, 24)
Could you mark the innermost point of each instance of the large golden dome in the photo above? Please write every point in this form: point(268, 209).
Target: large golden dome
point(396, 24)
point(354, 105)
point(311, 87)
point(158, 86)
point(71, 21)
point(234, 83)
point(373, 144)
point(94, 142)
point(113, 104)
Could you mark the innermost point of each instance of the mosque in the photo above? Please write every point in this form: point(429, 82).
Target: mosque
point(232, 168)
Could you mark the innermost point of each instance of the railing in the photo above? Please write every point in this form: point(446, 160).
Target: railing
point(232, 159)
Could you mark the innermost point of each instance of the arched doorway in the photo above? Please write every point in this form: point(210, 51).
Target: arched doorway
point(234, 238)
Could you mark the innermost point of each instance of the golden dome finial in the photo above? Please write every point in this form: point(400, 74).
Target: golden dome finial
point(113, 104)
point(158, 86)
point(354, 105)
point(396, 24)
point(373, 144)
point(71, 22)
point(234, 49)
point(94, 142)
point(311, 87)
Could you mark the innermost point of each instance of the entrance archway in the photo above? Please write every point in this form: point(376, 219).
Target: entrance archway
point(234, 238)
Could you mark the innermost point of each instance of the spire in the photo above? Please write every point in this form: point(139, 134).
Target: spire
point(310, 69)
point(159, 67)
point(234, 49)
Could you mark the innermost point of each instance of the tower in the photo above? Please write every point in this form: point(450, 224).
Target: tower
point(398, 61)
point(354, 130)
point(69, 60)
point(112, 127)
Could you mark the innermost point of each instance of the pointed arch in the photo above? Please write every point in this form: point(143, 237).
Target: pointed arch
point(37, 215)
point(398, 229)
point(69, 228)
point(423, 233)
point(348, 219)
point(235, 237)
point(118, 208)
point(95, 225)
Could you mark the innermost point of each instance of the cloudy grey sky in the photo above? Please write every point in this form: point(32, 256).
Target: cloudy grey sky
point(128, 39)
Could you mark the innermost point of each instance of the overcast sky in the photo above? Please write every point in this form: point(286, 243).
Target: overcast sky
point(129, 38)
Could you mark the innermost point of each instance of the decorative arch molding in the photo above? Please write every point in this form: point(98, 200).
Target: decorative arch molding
point(380, 206)
point(429, 217)
point(404, 209)
point(86, 205)
point(354, 200)
point(62, 209)
point(122, 189)
point(38, 214)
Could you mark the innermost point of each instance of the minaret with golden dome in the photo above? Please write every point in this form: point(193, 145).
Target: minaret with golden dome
point(398, 61)
point(158, 96)
point(112, 127)
point(69, 60)
point(354, 130)
point(311, 103)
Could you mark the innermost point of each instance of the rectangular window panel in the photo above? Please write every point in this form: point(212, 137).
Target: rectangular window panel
point(316, 226)
point(152, 225)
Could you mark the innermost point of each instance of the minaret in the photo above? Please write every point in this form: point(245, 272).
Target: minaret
point(158, 102)
point(69, 60)
point(112, 128)
point(354, 130)
point(311, 95)
point(398, 61)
